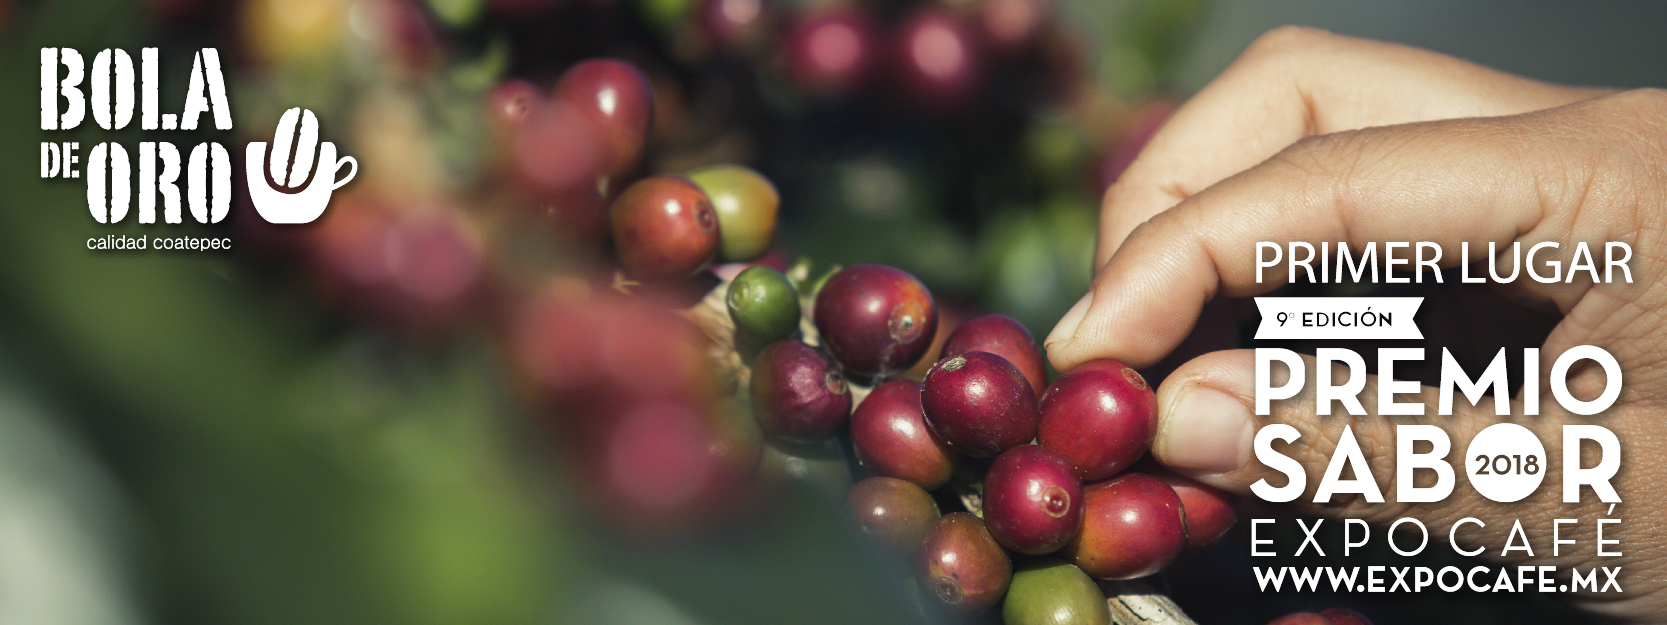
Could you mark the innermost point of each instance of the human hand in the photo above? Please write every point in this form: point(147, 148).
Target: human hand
point(1315, 137)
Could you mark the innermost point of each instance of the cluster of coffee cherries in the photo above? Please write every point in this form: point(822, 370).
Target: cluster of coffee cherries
point(669, 408)
point(562, 196)
point(563, 153)
point(686, 366)
point(1041, 469)
point(634, 361)
point(938, 55)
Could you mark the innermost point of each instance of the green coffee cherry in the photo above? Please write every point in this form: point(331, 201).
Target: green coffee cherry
point(1054, 592)
point(763, 304)
point(747, 205)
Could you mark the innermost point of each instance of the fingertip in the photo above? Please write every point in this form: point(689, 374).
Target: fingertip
point(1083, 333)
point(1097, 327)
point(1066, 329)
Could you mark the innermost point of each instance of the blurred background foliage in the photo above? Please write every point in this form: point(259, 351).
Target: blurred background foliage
point(199, 438)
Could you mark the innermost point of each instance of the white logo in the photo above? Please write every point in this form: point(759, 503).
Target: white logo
point(284, 185)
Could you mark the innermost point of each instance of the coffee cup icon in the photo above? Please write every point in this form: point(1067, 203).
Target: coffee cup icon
point(295, 192)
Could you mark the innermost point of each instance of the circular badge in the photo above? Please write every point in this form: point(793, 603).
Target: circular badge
point(1505, 462)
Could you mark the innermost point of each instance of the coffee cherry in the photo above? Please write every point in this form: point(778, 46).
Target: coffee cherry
point(554, 159)
point(739, 440)
point(656, 457)
point(416, 271)
point(950, 317)
point(664, 228)
point(1208, 510)
point(732, 24)
point(1131, 527)
point(831, 52)
point(876, 320)
point(648, 351)
point(1341, 616)
point(553, 343)
point(616, 98)
point(961, 567)
point(1300, 618)
point(797, 393)
point(440, 264)
point(1101, 416)
point(1054, 592)
point(889, 432)
point(893, 512)
point(657, 468)
point(270, 36)
point(556, 149)
point(763, 305)
point(979, 403)
point(746, 203)
point(1032, 500)
point(1012, 25)
point(818, 467)
point(591, 356)
point(511, 102)
point(556, 341)
point(506, 107)
point(939, 60)
point(1003, 336)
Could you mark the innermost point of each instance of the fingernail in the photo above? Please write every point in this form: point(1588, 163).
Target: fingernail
point(1206, 430)
point(1067, 327)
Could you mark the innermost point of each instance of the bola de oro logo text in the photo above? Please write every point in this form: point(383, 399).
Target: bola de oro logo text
point(290, 179)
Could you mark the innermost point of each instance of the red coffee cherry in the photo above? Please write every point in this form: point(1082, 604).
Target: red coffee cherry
point(1300, 618)
point(979, 403)
point(1340, 616)
point(891, 437)
point(1101, 416)
point(939, 61)
point(511, 102)
point(664, 228)
point(1032, 500)
point(961, 567)
point(1131, 527)
point(831, 52)
point(659, 466)
point(893, 512)
point(1208, 510)
point(617, 99)
point(876, 320)
point(1003, 336)
point(797, 393)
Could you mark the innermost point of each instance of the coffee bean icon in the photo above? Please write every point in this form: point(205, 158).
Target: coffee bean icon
point(291, 178)
point(294, 147)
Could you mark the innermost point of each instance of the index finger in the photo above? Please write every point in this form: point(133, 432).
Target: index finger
point(1450, 182)
point(1296, 82)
